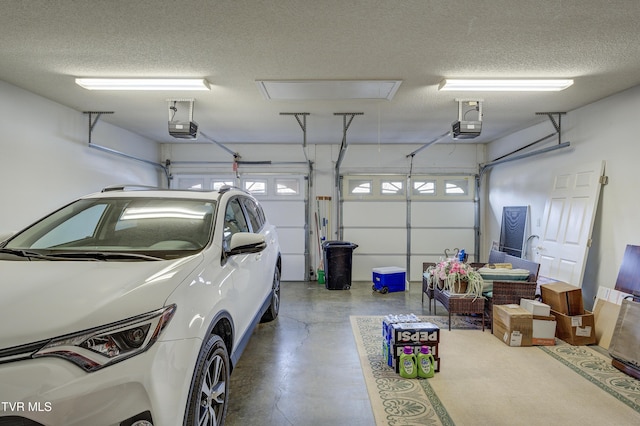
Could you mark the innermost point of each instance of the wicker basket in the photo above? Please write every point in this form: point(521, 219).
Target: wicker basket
point(459, 286)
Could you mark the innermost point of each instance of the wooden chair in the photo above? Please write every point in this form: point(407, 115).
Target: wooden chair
point(507, 292)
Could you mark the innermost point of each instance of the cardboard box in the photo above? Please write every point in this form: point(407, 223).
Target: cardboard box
point(544, 330)
point(391, 319)
point(413, 333)
point(513, 325)
point(535, 307)
point(390, 277)
point(562, 297)
point(577, 330)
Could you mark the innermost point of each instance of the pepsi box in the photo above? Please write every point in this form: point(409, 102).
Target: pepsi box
point(389, 352)
point(413, 333)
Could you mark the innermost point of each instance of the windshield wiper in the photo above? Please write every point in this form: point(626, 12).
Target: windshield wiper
point(24, 253)
point(102, 255)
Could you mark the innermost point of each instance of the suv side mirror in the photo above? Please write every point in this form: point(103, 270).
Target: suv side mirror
point(244, 243)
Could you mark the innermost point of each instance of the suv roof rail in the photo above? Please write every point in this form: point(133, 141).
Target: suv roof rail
point(227, 188)
point(128, 188)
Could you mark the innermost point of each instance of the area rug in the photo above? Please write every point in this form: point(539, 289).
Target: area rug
point(482, 381)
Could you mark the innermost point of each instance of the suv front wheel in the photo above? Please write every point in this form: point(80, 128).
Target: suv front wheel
point(209, 394)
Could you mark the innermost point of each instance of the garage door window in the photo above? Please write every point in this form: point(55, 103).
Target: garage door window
point(456, 187)
point(392, 187)
point(190, 183)
point(360, 187)
point(287, 186)
point(217, 184)
point(424, 187)
point(255, 186)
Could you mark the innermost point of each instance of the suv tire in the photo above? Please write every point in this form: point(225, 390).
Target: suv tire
point(209, 393)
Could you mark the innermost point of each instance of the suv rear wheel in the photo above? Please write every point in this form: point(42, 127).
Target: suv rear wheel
point(274, 307)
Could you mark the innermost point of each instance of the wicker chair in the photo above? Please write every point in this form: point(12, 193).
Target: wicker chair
point(507, 292)
point(518, 263)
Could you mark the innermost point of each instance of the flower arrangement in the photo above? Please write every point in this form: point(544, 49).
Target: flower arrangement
point(456, 277)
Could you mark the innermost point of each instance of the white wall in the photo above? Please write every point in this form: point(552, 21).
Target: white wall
point(603, 130)
point(46, 161)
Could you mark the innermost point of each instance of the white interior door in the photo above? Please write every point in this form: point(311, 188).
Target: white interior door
point(568, 222)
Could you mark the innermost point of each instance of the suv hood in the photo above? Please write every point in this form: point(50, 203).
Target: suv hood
point(45, 299)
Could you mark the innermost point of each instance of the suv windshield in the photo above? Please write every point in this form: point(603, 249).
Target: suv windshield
point(110, 228)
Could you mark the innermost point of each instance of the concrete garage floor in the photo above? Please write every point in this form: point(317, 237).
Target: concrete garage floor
point(303, 368)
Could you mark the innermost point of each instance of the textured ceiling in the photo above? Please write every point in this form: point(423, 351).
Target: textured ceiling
point(44, 45)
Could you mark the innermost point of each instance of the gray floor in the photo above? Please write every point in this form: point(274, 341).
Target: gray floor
point(303, 368)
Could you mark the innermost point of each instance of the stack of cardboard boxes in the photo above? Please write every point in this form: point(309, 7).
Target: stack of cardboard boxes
point(575, 325)
point(527, 324)
point(397, 335)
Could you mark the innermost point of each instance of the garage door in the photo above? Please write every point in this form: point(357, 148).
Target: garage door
point(394, 226)
point(283, 198)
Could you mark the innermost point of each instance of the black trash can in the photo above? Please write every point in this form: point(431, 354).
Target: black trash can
point(337, 264)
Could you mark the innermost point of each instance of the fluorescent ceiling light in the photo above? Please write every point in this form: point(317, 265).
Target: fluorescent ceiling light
point(505, 85)
point(143, 83)
point(328, 89)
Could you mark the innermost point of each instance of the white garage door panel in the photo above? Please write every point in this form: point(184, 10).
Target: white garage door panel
point(416, 265)
point(441, 214)
point(284, 213)
point(374, 214)
point(291, 240)
point(432, 241)
point(363, 264)
point(377, 241)
point(292, 268)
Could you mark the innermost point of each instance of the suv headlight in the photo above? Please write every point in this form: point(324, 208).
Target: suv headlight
point(102, 346)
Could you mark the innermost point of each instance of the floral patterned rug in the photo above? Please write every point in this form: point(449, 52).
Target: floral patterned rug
point(398, 401)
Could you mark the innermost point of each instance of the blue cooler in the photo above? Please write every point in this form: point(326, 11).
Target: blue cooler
point(388, 279)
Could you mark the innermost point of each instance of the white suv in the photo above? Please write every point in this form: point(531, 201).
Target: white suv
point(131, 307)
